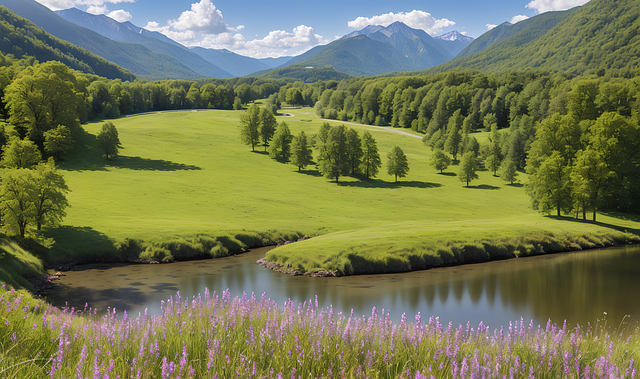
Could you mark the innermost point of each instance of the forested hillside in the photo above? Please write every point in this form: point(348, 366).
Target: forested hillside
point(21, 38)
point(599, 35)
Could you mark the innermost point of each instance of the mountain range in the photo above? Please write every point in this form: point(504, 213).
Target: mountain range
point(599, 35)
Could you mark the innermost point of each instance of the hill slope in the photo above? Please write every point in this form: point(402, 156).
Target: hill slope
point(599, 35)
point(138, 59)
point(127, 32)
point(22, 37)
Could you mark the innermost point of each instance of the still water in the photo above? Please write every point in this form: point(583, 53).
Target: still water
point(578, 287)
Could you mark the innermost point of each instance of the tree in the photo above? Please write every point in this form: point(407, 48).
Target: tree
point(41, 98)
point(454, 137)
point(493, 164)
point(354, 150)
point(294, 96)
point(50, 200)
point(509, 171)
point(21, 154)
point(550, 185)
point(301, 154)
point(590, 176)
point(333, 160)
point(268, 124)
point(468, 167)
point(17, 193)
point(249, 130)
point(281, 146)
point(108, 139)
point(397, 164)
point(370, 162)
point(58, 141)
point(440, 160)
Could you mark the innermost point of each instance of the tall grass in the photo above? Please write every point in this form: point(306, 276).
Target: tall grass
point(217, 335)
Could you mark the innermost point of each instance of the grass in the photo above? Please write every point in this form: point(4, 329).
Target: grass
point(220, 336)
point(186, 174)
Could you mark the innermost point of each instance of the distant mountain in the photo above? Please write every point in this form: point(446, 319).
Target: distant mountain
point(275, 62)
point(127, 32)
point(236, 64)
point(136, 58)
point(307, 74)
point(601, 34)
point(454, 42)
point(22, 37)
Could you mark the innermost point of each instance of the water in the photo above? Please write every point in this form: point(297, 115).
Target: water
point(578, 287)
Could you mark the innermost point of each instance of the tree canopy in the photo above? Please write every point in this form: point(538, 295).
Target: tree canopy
point(108, 139)
point(397, 164)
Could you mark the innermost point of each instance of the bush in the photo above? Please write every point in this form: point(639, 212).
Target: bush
point(130, 248)
point(156, 253)
point(218, 251)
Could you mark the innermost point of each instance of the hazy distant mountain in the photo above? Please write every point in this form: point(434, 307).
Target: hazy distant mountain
point(601, 34)
point(453, 42)
point(127, 32)
point(22, 37)
point(236, 64)
point(134, 57)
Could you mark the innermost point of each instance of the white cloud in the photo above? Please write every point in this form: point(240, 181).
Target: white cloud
point(541, 6)
point(57, 5)
point(415, 19)
point(490, 26)
point(97, 9)
point(155, 27)
point(276, 43)
point(203, 17)
point(120, 15)
point(518, 18)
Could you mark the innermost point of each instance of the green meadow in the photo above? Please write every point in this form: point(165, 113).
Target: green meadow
point(184, 174)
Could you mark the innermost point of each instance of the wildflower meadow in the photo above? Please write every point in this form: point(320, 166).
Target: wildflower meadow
point(220, 336)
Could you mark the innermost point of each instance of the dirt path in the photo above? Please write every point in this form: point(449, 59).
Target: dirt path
point(371, 126)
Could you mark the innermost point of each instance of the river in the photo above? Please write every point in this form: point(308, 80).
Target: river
point(578, 287)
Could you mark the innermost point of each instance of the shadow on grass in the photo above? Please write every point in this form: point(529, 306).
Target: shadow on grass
point(77, 243)
point(377, 183)
point(517, 185)
point(484, 187)
point(260, 152)
point(87, 156)
point(601, 224)
point(447, 174)
point(314, 173)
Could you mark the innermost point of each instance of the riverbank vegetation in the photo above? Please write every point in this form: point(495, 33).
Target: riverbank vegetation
point(215, 335)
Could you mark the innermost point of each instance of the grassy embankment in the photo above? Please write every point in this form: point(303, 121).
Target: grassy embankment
point(184, 180)
point(220, 336)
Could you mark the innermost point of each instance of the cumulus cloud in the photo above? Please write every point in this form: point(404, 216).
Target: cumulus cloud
point(518, 18)
point(490, 26)
point(97, 9)
point(57, 5)
point(541, 6)
point(415, 19)
point(120, 15)
point(276, 43)
point(203, 17)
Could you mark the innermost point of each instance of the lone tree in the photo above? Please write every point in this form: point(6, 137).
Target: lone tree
point(370, 163)
point(509, 171)
point(440, 160)
point(397, 164)
point(249, 131)
point(301, 154)
point(109, 140)
point(468, 167)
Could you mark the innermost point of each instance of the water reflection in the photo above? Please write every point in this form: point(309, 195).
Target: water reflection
point(577, 287)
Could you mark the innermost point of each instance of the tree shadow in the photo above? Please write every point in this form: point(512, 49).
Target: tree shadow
point(517, 185)
point(76, 243)
point(261, 152)
point(484, 187)
point(87, 156)
point(314, 173)
point(448, 173)
point(378, 183)
point(598, 223)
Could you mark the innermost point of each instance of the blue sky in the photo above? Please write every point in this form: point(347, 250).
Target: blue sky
point(270, 29)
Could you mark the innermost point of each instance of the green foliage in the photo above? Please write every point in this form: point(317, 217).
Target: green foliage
point(492, 163)
point(509, 171)
point(109, 140)
point(58, 141)
point(370, 163)
point(440, 160)
point(17, 265)
point(468, 168)
point(268, 124)
point(333, 160)
point(301, 153)
point(397, 164)
point(250, 128)
point(281, 146)
point(21, 154)
point(156, 254)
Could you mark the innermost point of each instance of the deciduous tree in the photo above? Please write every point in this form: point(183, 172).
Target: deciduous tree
point(268, 124)
point(440, 160)
point(21, 154)
point(397, 164)
point(250, 128)
point(281, 146)
point(333, 160)
point(509, 171)
point(50, 195)
point(58, 141)
point(354, 150)
point(468, 168)
point(108, 139)
point(370, 163)
point(301, 154)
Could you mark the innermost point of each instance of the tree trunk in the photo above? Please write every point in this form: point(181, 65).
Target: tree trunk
point(396, 178)
point(39, 225)
point(595, 206)
point(558, 207)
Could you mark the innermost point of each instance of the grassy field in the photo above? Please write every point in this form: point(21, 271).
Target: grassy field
point(187, 173)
